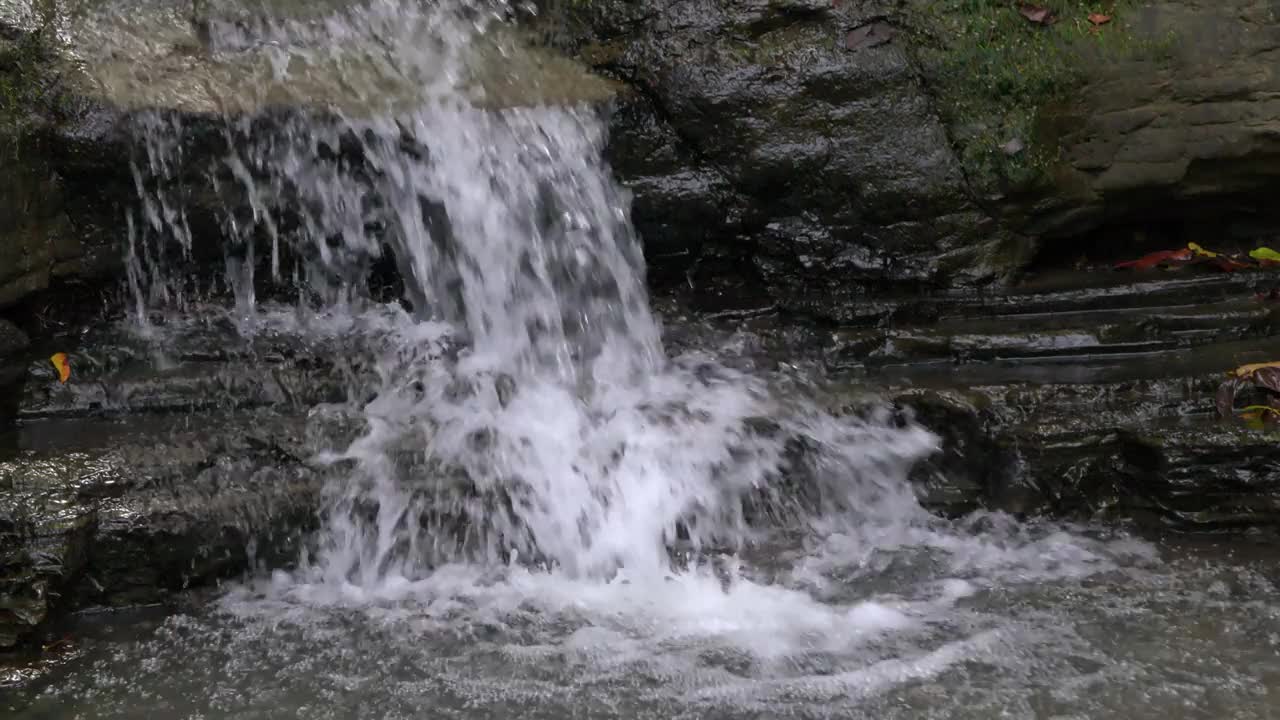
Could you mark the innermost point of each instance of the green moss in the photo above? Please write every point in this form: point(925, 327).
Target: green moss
point(22, 64)
point(1001, 79)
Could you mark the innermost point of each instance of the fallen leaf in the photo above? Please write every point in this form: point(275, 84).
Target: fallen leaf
point(1195, 248)
point(1261, 417)
point(1037, 14)
point(1265, 255)
point(62, 365)
point(1099, 19)
point(1163, 257)
point(1225, 399)
point(1245, 371)
point(1268, 377)
point(1263, 375)
point(1272, 295)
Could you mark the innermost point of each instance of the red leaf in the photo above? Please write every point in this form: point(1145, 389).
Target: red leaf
point(1272, 295)
point(1163, 257)
point(1099, 18)
point(1037, 14)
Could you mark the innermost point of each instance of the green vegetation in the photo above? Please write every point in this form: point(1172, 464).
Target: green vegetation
point(1003, 80)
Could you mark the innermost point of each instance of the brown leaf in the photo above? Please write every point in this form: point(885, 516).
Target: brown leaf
point(1099, 19)
point(1037, 14)
point(1268, 377)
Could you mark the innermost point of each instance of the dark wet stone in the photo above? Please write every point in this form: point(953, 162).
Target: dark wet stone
point(12, 339)
point(113, 373)
point(800, 157)
point(128, 512)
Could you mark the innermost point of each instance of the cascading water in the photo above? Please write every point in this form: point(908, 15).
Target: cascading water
point(534, 484)
point(559, 432)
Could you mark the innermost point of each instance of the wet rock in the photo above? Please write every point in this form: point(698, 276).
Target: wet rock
point(89, 94)
point(95, 512)
point(12, 339)
point(116, 373)
point(970, 465)
point(45, 529)
point(811, 168)
point(1134, 439)
point(808, 157)
point(1189, 135)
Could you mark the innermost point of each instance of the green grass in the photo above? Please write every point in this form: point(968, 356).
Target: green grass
point(998, 77)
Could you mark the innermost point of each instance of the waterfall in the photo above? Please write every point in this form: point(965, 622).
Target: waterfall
point(526, 410)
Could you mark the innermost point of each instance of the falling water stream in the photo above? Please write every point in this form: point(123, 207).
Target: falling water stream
point(542, 514)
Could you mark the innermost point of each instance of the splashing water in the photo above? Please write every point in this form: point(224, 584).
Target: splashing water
point(532, 468)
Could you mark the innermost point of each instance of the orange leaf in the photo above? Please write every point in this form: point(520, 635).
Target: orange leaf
point(62, 365)
point(1099, 18)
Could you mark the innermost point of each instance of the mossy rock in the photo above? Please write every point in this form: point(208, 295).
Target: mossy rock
point(1004, 84)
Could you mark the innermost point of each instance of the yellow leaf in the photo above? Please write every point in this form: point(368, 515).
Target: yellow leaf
point(62, 365)
point(1265, 253)
point(1245, 371)
point(1195, 248)
point(1260, 410)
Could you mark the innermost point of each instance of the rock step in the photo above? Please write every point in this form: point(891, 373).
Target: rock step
point(1136, 438)
point(101, 511)
point(202, 367)
point(1069, 316)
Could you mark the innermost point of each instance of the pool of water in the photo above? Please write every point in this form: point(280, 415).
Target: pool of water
point(1044, 624)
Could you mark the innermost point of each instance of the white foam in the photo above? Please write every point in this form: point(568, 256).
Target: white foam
point(530, 457)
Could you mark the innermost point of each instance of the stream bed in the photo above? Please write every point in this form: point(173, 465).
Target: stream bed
point(1054, 626)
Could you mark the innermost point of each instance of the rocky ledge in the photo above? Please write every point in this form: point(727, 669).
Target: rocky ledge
point(819, 155)
point(1087, 396)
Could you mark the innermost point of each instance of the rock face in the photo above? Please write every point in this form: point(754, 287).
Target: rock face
point(94, 96)
point(768, 153)
point(802, 154)
point(61, 192)
point(1191, 137)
